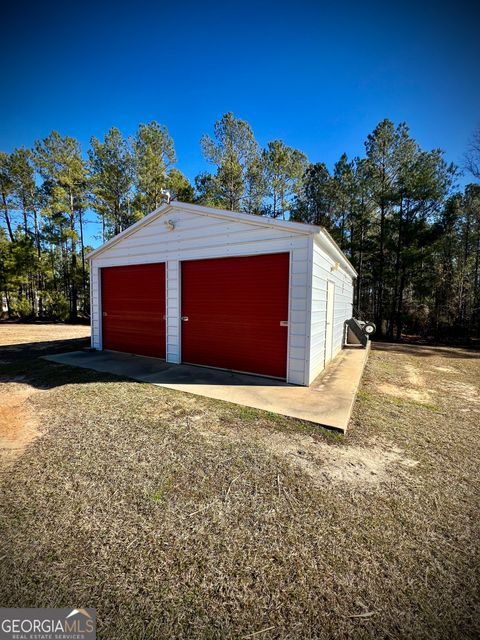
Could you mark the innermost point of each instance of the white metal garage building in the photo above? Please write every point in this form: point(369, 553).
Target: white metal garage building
point(223, 289)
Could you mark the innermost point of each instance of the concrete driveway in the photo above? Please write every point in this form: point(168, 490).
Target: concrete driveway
point(327, 402)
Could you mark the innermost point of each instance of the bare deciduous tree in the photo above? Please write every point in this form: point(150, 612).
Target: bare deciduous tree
point(472, 156)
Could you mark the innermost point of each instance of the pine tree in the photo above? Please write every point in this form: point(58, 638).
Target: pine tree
point(6, 191)
point(112, 176)
point(233, 151)
point(179, 186)
point(154, 154)
point(381, 146)
point(284, 168)
point(60, 163)
point(25, 192)
point(314, 202)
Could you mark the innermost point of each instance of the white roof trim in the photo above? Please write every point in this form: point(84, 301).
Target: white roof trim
point(327, 243)
point(247, 218)
point(128, 232)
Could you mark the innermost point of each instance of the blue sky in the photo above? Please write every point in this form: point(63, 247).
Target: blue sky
point(318, 75)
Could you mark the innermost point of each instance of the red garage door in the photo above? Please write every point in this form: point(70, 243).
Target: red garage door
point(133, 307)
point(237, 310)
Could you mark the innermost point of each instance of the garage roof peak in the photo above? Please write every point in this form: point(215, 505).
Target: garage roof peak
point(319, 233)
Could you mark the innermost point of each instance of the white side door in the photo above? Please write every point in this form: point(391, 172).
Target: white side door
point(329, 321)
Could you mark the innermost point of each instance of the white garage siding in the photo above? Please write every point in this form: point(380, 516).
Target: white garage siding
point(206, 236)
point(324, 269)
point(201, 232)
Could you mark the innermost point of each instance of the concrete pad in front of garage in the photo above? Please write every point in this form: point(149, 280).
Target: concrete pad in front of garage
point(327, 402)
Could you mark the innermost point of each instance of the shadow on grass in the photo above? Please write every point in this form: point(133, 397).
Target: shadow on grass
point(26, 350)
point(426, 351)
point(74, 353)
point(23, 363)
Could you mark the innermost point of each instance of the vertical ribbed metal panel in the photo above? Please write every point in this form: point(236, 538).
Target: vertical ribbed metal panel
point(237, 310)
point(133, 309)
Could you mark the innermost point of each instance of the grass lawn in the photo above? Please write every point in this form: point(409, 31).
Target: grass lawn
point(182, 517)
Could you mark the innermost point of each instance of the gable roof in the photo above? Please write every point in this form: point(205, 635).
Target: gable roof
point(286, 225)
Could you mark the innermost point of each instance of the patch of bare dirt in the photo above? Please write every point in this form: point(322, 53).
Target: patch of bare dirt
point(347, 464)
point(467, 393)
point(446, 369)
point(18, 424)
point(415, 390)
point(415, 378)
point(325, 462)
point(406, 393)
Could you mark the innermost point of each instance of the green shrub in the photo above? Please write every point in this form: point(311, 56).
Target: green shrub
point(22, 308)
point(55, 306)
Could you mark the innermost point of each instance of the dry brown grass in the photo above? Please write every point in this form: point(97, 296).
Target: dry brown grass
point(15, 333)
point(182, 517)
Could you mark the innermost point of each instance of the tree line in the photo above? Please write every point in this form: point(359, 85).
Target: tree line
point(397, 213)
